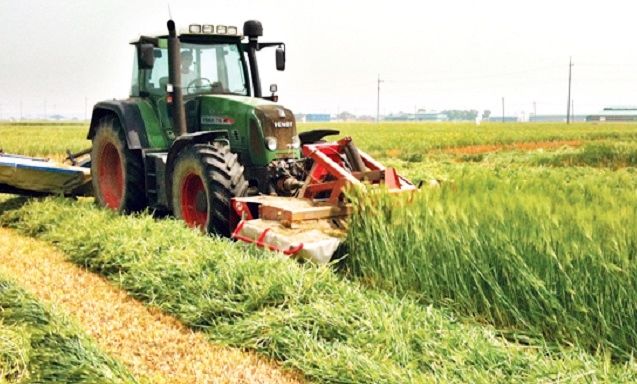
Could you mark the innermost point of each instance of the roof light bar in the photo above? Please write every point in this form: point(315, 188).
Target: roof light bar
point(210, 29)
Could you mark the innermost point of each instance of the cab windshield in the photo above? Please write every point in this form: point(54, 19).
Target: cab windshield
point(215, 68)
point(205, 69)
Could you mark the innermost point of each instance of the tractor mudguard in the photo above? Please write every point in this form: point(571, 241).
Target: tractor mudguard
point(129, 117)
point(184, 141)
point(313, 136)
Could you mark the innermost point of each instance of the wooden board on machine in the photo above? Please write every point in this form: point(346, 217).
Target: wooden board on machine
point(289, 210)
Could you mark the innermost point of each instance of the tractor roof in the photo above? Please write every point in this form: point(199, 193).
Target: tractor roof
point(201, 33)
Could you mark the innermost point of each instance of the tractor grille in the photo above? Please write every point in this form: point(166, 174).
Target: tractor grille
point(277, 122)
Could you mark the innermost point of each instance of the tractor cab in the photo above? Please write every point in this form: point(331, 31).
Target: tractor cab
point(216, 66)
point(206, 80)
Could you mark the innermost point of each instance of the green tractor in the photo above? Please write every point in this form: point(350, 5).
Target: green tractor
point(196, 130)
point(198, 139)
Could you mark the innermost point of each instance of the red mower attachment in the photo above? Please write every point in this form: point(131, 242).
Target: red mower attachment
point(339, 164)
point(313, 225)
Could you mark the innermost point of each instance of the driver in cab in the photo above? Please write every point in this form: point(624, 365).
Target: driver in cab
point(190, 80)
point(188, 75)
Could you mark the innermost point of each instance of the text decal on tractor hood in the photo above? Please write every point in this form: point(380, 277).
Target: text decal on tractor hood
point(282, 124)
point(217, 120)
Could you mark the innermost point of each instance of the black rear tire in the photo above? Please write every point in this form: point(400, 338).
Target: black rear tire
point(204, 179)
point(117, 171)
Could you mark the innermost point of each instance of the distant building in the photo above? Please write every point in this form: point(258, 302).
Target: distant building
point(615, 114)
point(310, 117)
point(399, 117)
point(555, 118)
point(499, 119)
point(431, 116)
point(420, 116)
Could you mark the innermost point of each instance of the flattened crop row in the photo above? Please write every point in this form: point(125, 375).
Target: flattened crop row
point(37, 346)
point(308, 317)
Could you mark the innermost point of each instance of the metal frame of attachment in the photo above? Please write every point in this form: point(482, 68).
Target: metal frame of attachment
point(328, 173)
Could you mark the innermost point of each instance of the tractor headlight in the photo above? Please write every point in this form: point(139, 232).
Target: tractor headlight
point(271, 143)
point(194, 28)
point(296, 142)
point(208, 28)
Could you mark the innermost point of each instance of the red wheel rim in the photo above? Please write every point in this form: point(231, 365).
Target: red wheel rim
point(194, 202)
point(110, 177)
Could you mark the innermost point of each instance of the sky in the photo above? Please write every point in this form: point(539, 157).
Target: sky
point(61, 57)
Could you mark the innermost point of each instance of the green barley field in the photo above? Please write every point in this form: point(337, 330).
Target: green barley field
point(518, 265)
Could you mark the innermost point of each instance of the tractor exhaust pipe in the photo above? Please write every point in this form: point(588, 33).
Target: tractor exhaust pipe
point(253, 29)
point(174, 78)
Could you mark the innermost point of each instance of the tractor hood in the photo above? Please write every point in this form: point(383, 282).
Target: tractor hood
point(250, 122)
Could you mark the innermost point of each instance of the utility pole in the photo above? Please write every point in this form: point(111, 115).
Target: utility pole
point(378, 100)
point(503, 109)
point(20, 110)
point(568, 104)
point(534, 108)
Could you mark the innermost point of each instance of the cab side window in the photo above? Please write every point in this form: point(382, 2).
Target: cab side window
point(158, 78)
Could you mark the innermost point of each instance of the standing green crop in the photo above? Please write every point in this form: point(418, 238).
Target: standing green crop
point(534, 254)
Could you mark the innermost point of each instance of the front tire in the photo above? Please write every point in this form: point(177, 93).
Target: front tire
point(204, 179)
point(117, 172)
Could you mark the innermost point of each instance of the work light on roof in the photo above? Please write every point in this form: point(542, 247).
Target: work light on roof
point(210, 29)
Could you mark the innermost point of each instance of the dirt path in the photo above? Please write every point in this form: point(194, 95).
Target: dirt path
point(154, 346)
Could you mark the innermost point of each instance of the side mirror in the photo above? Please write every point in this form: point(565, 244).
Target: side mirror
point(146, 56)
point(280, 59)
